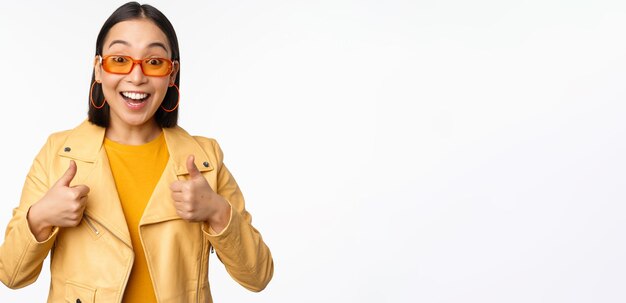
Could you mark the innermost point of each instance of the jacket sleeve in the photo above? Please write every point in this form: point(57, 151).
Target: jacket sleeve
point(239, 246)
point(21, 255)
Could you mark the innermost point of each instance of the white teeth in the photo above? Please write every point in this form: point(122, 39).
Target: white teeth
point(135, 96)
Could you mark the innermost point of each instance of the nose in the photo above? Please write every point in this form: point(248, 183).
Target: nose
point(136, 75)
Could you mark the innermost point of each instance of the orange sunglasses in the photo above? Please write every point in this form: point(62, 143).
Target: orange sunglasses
point(123, 65)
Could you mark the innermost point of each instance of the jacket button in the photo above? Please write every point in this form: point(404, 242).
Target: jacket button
point(78, 301)
point(206, 164)
point(67, 149)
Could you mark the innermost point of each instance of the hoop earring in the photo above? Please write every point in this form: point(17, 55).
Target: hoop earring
point(177, 102)
point(91, 97)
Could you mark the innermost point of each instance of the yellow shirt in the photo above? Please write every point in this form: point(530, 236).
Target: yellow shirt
point(136, 170)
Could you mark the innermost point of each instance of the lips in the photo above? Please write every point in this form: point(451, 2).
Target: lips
point(135, 100)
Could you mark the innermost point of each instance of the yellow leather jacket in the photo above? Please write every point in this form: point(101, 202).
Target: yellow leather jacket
point(93, 260)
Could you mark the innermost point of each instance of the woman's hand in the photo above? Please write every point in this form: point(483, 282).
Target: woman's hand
point(195, 200)
point(61, 206)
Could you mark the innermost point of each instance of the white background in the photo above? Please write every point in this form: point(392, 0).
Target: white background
point(389, 151)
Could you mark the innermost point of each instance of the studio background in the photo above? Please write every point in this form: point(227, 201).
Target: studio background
point(389, 151)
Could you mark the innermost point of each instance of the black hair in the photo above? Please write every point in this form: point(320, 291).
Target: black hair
point(132, 11)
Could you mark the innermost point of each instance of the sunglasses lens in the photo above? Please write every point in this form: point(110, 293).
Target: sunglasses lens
point(117, 64)
point(123, 65)
point(156, 66)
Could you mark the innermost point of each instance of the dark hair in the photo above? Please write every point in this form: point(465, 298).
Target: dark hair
point(130, 11)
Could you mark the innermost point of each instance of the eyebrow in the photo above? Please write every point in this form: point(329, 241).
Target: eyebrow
point(153, 44)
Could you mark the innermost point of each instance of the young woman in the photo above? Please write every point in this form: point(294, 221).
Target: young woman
point(129, 204)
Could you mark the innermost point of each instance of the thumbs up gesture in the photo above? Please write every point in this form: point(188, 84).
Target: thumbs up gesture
point(61, 206)
point(195, 200)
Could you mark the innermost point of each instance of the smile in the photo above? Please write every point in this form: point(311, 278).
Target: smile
point(135, 96)
point(135, 100)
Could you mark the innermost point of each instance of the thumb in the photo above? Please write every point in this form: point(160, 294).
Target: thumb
point(192, 169)
point(68, 175)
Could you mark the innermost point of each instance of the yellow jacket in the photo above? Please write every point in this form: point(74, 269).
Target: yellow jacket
point(92, 261)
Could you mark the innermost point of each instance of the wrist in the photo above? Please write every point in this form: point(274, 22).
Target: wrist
point(220, 218)
point(38, 225)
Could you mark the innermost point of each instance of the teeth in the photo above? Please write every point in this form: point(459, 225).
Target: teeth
point(135, 96)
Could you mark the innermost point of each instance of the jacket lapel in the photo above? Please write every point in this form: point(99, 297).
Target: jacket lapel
point(180, 145)
point(84, 145)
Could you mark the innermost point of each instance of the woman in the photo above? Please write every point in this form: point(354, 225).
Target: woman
point(130, 205)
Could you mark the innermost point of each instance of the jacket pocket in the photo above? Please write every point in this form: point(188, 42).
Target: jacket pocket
point(77, 293)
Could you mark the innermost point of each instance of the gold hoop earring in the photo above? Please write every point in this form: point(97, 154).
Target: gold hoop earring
point(91, 96)
point(177, 102)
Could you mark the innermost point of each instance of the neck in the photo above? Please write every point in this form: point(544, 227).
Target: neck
point(133, 134)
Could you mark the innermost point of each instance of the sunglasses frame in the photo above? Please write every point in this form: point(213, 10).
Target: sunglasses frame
point(135, 62)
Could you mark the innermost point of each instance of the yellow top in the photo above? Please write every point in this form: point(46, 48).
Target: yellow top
point(136, 170)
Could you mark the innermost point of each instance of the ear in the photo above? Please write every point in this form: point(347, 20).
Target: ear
point(175, 69)
point(97, 68)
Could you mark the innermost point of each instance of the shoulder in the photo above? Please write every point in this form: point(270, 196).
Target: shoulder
point(57, 139)
point(182, 142)
point(85, 134)
point(210, 145)
point(205, 142)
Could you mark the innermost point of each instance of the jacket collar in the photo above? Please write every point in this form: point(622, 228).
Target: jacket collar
point(85, 142)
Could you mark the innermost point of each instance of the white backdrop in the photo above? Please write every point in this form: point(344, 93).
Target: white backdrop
point(389, 151)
